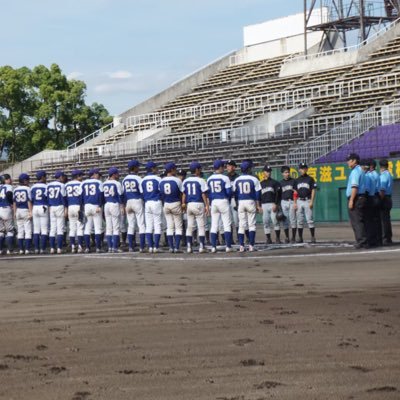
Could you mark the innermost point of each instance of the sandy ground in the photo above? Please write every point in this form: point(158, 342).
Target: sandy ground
point(312, 323)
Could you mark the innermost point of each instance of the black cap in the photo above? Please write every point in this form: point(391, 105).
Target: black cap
point(181, 172)
point(365, 162)
point(372, 162)
point(384, 163)
point(6, 176)
point(267, 168)
point(285, 168)
point(303, 165)
point(353, 156)
point(231, 162)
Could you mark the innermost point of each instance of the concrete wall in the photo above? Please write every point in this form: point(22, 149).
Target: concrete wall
point(179, 88)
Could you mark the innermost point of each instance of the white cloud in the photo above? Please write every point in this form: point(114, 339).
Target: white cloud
point(74, 75)
point(120, 75)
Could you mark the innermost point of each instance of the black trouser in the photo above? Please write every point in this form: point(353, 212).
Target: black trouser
point(368, 220)
point(357, 220)
point(386, 206)
point(376, 221)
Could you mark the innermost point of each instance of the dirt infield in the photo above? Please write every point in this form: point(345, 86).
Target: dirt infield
point(310, 323)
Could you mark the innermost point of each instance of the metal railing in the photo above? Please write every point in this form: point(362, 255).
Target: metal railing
point(332, 140)
point(91, 136)
point(391, 113)
point(348, 49)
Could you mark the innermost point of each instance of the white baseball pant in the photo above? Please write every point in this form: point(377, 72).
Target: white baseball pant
point(269, 218)
point(135, 210)
point(153, 211)
point(112, 214)
point(247, 211)
point(220, 208)
point(289, 212)
point(173, 216)
point(304, 211)
point(6, 221)
point(75, 225)
point(40, 217)
point(57, 220)
point(24, 224)
point(195, 214)
point(94, 220)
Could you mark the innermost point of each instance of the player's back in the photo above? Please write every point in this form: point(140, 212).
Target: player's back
point(132, 187)
point(247, 187)
point(4, 198)
point(92, 192)
point(39, 194)
point(150, 188)
point(73, 191)
point(22, 196)
point(112, 191)
point(171, 189)
point(219, 187)
point(194, 187)
point(56, 193)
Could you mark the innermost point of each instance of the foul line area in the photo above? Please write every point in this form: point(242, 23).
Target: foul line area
point(263, 252)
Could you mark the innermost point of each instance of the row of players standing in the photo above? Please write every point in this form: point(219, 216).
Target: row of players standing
point(369, 197)
point(145, 200)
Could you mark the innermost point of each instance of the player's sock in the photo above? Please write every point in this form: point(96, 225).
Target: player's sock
point(130, 241)
point(52, 241)
point(286, 233)
point(278, 235)
point(149, 238)
point(213, 237)
point(189, 240)
point(10, 242)
point(202, 240)
point(134, 240)
point(300, 232)
point(115, 242)
point(43, 242)
point(178, 239)
point(28, 244)
point(72, 240)
point(252, 238)
point(36, 241)
point(247, 232)
point(21, 244)
point(142, 240)
point(207, 236)
point(241, 239)
point(60, 241)
point(269, 241)
point(170, 240)
point(312, 231)
point(228, 239)
point(124, 236)
point(97, 239)
point(1, 242)
point(80, 240)
point(294, 231)
point(87, 241)
point(157, 238)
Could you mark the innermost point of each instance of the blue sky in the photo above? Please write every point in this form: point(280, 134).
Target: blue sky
point(128, 50)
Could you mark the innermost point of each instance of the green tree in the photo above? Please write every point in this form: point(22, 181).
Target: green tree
point(42, 109)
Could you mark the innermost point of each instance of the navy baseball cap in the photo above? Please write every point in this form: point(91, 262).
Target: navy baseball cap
point(133, 164)
point(40, 174)
point(59, 174)
point(169, 166)
point(285, 168)
point(267, 168)
point(112, 171)
point(94, 171)
point(219, 163)
point(245, 165)
point(353, 156)
point(77, 172)
point(150, 165)
point(303, 165)
point(23, 177)
point(194, 165)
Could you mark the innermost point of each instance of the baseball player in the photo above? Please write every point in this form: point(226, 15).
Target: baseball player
point(40, 213)
point(113, 208)
point(233, 175)
point(287, 204)
point(247, 190)
point(196, 204)
point(134, 206)
point(6, 214)
point(270, 196)
point(385, 194)
point(23, 214)
point(93, 199)
point(305, 188)
point(355, 193)
point(152, 206)
point(57, 208)
point(220, 192)
point(73, 191)
point(171, 189)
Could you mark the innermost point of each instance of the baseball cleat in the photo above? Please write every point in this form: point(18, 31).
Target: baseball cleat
point(228, 250)
point(251, 248)
point(213, 249)
point(171, 250)
point(52, 251)
point(80, 250)
point(98, 251)
point(150, 249)
point(27, 252)
point(21, 252)
point(59, 251)
point(189, 250)
point(155, 250)
point(241, 249)
point(87, 251)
